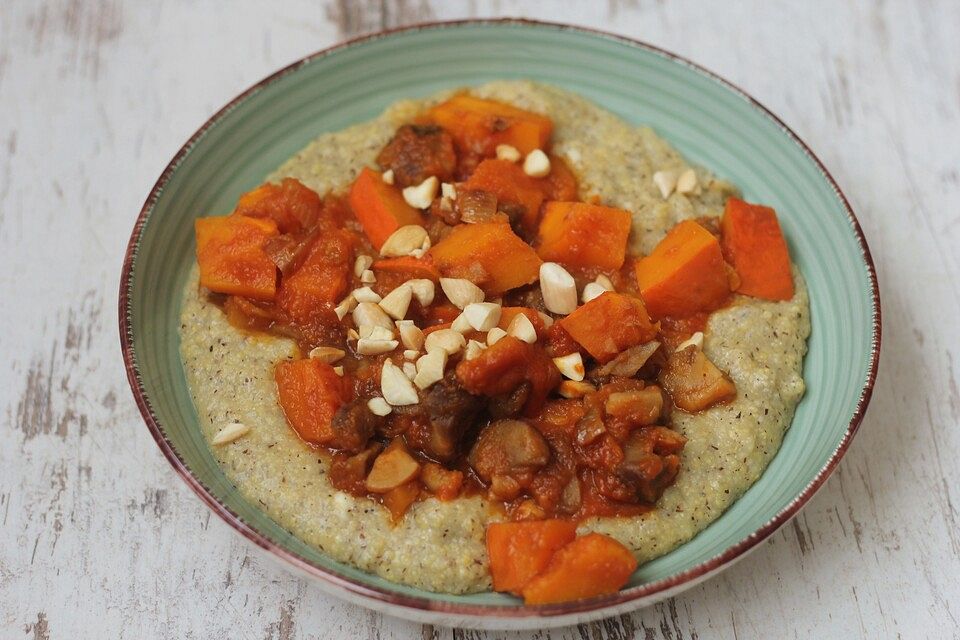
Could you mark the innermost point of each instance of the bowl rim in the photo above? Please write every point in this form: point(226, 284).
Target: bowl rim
point(639, 594)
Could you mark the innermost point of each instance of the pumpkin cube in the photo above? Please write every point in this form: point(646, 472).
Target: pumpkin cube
point(507, 181)
point(489, 254)
point(608, 324)
point(380, 207)
point(310, 392)
point(230, 252)
point(753, 243)
point(479, 125)
point(685, 274)
point(580, 234)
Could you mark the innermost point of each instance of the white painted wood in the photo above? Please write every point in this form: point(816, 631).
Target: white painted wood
point(99, 539)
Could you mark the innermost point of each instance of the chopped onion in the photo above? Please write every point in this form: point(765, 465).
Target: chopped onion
point(287, 251)
point(476, 205)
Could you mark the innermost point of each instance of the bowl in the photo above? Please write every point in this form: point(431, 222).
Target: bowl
point(710, 121)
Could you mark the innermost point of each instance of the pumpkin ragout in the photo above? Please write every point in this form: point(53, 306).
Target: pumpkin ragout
point(436, 362)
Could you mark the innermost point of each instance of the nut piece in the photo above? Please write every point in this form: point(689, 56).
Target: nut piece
point(507, 152)
point(404, 241)
point(446, 340)
point(396, 387)
point(687, 182)
point(387, 176)
point(345, 306)
point(423, 290)
point(696, 341)
point(409, 370)
point(391, 469)
point(461, 292)
point(473, 349)
point(411, 354)
point(521, 328)
point(571, 366)
point(573, 389)
point(230, 433)
point(397, 302)
point(373, 332)
point(379, 407)
point(352, 334)
point(424, 247)
point(338, 371)
point(368, 277)
point(365, 294)
point(410, 335)
point(370, 314)
point(482, 316)
point(361, 264)
point(495, 334)
point(590, 291)
point(536, 164)
point(373, 347)
point(449, 191)
point(604, 282)
point(430, 368)
point(421, 196)
point(558, 288)
point(666, 181)
point(461, 324)
point(327, 354)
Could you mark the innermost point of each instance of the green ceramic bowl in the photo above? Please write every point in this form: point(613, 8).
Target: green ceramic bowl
point(711, 122)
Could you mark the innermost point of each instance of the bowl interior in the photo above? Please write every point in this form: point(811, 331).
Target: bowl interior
point(709, 123)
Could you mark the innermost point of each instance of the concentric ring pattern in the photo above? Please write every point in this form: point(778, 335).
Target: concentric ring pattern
point(708, 121)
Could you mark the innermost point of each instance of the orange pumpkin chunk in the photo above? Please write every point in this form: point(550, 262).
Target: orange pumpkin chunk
point(518, 551)
point(380, 207)
point(408, 268)
point(231, 256)
point(507, 181)
point(321, 280)
point(310, 393)
point(753, 243)
point(579, 234)
point(684, 274)
point(490, 254)
point(290, 204)
point(504, 365)
point(590, 566)
point(608, 324)
point(479, 125)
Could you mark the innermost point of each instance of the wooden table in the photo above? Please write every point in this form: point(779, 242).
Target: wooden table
point(99, 539)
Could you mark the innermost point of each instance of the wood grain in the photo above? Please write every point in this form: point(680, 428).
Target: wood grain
point(98, 539)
